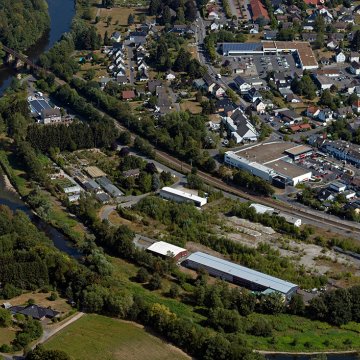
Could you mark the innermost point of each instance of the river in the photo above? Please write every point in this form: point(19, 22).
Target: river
point(61, 14)
point(13, 201)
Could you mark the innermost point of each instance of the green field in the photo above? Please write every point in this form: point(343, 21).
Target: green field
point(298, 334)
point(101, 338)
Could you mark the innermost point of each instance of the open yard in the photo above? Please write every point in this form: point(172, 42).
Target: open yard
point(119, 19)
point(41, 299)
point(119, 340)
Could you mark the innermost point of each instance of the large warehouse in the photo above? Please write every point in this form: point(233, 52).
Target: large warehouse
point(165, 249)
point(177, 195)
point(239, 275)
point(301, 49)
point(272, 161)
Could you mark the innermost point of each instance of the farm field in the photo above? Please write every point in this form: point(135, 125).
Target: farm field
point(120, 340)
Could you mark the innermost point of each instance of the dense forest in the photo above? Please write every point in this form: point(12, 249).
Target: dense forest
point(22, 22)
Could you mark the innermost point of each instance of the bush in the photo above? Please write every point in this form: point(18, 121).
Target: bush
point(155, 282)
point(142, 275)
point(261, 327)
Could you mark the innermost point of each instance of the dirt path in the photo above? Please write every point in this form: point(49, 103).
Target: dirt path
point(49, 333)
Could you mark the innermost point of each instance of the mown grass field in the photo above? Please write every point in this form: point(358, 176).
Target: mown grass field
point(101, 338)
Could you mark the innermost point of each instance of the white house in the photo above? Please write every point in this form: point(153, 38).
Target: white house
point(170, 76)
point(218, 91)
point(355, 68)
point(354, 56)
point(340, 57)
point(213, 15)
point(242, 84)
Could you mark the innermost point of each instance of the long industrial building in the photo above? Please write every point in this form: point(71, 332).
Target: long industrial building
point(239, 275)
point(181, 196)
point(301, 49)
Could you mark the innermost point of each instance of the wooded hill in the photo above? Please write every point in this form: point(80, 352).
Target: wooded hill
point(22, 22)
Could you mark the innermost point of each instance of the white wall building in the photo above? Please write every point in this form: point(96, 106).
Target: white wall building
point(177, 195)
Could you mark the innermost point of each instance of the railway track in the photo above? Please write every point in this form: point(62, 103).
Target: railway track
point(289, 209)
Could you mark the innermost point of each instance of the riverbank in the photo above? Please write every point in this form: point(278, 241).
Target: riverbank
point(8, 184)
point(61, 14)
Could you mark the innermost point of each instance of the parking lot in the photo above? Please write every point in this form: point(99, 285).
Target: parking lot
point(323, 168)
point(277, 63)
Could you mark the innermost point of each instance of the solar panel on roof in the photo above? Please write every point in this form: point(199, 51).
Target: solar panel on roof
point(242, 47)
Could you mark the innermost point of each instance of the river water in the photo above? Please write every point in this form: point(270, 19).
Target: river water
point(13, 201)
point(61, 14)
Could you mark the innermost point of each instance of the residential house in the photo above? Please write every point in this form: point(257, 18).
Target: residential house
point(310, 37)
point(215, 26)
point(293, 98)
point(170, 76)
point(209, 83)
point(290, 116)
point(143, 75)
point(224, 106)
point(128, 95)
point(355, 68)
point(270, 34)
point(261, 105)
point(332, 45)
point(253, 95)
point(343, 112)
point(356, 106)
point(328, 72)
point(122, 79)
point(325, 115)
point(259, 12)
point(323, 82)
point(354, 56)
point(218, 91)
point(312, 112)
point(116, 36)
point(137, 37)
point(340, 57)
point(213, 15)
point(242, 84)
point(34, 311)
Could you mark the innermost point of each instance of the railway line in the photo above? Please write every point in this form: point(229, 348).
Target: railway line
point(289, 209)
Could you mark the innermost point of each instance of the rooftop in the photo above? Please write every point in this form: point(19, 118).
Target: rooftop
point(184, 194)
point(242, 272)
point(288, 169)
point(94, 172)
point(265, 152)
point(298, 150)
point(164, 248)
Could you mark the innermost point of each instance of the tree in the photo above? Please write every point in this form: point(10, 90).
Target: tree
point(174, 291)
point(39, 353)
point(166, 18)
point(297, 305)
point(131, 19)
point(142, 275)
point(125, 137)
point(355, 43)
point(5, 318)
point(155, 282)
point(182, 60)
point(261, 327)
point(272, 304)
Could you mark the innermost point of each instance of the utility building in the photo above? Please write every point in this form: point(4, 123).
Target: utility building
point(181, 196)
point(165, 249)
point(239, 275)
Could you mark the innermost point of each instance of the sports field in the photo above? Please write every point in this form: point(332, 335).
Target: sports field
point(102, 338)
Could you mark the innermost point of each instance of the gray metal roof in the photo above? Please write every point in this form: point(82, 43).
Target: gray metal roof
point(242, 272)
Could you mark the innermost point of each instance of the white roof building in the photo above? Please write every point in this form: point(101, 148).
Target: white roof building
point(165, 249)
point(181, 196)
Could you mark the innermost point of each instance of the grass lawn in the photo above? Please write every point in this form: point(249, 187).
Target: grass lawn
point(110, 339)
point(7, 335)
point(192, 105)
